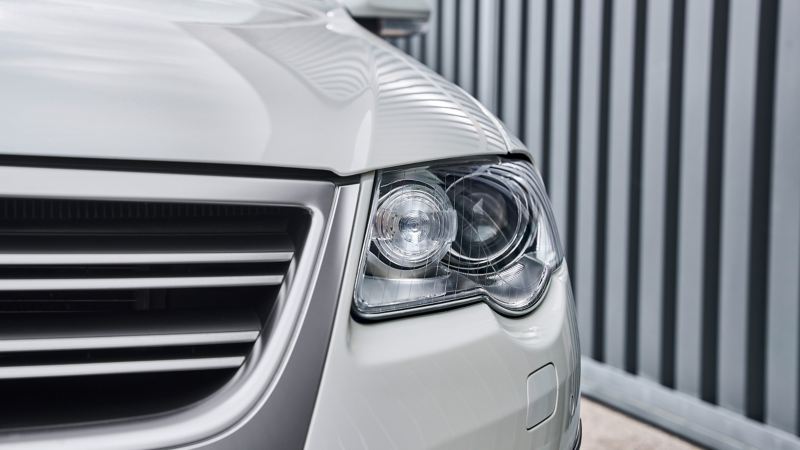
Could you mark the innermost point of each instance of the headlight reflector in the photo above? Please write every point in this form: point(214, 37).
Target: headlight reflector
point(450, 234)
point(414, 225)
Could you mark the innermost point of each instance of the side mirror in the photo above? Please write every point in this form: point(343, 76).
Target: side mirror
point(391, 18)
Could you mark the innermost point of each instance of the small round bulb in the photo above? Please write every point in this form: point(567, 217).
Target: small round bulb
point(414, 225)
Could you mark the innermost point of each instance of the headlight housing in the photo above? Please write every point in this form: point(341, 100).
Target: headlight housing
point(444, 235)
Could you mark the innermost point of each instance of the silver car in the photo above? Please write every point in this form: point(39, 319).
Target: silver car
point(255, 224)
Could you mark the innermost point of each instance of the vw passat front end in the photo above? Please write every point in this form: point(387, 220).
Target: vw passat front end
point(257, 225)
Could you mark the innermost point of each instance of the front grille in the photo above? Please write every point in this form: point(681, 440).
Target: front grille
point(110, 309)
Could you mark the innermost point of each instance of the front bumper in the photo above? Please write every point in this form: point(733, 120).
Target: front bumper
point(455, 379)
point(579, 437)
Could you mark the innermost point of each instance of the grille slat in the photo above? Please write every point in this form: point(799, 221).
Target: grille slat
point(119, 367)
point(138, 282)
point(119, 289)
point(23, 333)
point(142, 258)
point(105, 249)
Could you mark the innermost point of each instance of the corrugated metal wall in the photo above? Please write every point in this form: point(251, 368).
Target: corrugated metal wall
point(668, 133)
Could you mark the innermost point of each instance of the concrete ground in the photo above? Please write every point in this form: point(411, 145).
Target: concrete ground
point(604, 428)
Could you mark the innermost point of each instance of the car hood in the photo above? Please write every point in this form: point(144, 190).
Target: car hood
point(287, 84)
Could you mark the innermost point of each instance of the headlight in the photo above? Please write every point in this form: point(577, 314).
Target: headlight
point(450, 234)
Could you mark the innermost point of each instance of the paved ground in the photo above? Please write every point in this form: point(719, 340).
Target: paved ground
point(604, 428)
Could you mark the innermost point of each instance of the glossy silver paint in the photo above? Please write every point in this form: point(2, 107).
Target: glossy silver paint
point(278, 83)
point(455, 379)
point(281, 84)
point(282, 421)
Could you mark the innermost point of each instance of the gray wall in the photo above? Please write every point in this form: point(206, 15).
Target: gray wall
point(668, 133)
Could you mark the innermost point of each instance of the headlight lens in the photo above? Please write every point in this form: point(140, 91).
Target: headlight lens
point(450, 234)
point(413, 225)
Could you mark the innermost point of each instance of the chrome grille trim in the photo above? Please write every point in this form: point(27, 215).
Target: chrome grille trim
point(119, 367)
point(236, 400)
point(28, 333)
point(109, 342)
point(137, 283)
point(23, 259)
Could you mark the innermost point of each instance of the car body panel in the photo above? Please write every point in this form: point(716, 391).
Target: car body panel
point(449, 380)
point(282, 84)
point(286, 84)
